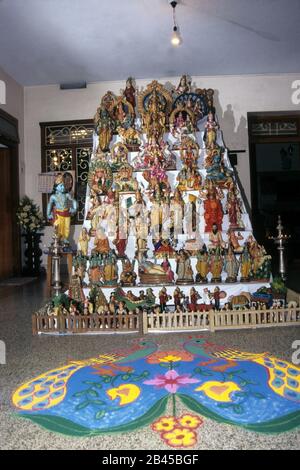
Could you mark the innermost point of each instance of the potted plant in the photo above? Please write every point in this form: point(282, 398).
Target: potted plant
point(31, 221)
point(279, 288)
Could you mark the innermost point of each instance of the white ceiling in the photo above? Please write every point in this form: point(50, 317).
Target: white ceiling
point(59, 41)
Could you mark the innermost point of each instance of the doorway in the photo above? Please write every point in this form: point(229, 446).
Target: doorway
point(10, 262)
point(274, 144)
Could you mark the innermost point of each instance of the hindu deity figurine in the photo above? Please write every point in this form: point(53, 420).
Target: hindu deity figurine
point(176, 214)
point(163, 299)
point(75, 289)
point(167, 268)
point(110, 269)
point(184, 269)
point(245, 262)
point(210, 135)
point(105, 123)
point(151, 273)
point(202, 265)
point(233, 240)
point(163, 248)
point(157, 175)
point(100, 176)
point(215, 238)
point(95, 215)
point(189, 179)
point(129, 92)
point(128, 275)
point(101, 242)
point(234, 208)
point(141, 234)
point(181, 125)
point(120, 242)
point(58, 210)
point(213, 211)
point(194, 244)
point(231, 265)
point(159, 211)
point(83, 242)
point(130, 137)
point(119, 156)
point(216, 265)
point(79, 263)
point(154, 120)
point(184, 85)
point(93, 199)
point(215, 169)
point(261, 261)
point(189, 153)
point(124, 180)
point(122, 112)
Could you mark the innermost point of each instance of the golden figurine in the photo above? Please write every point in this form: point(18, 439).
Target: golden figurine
point(104, 121)
point(202, 265)
point(83, 242)
point(154, 106)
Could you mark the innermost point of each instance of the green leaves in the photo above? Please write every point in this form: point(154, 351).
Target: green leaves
point(82, 405)
point(282, 424)
point(258, 395)
point(67, 427)
point(203, 372)
point(100, 414)
point(92, 392)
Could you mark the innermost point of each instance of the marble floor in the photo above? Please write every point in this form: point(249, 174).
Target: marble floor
point(28, 356)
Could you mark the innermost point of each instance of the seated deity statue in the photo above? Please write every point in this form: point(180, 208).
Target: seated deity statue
point(215, 170)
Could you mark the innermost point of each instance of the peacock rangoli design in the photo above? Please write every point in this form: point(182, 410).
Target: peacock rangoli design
point(126, 390)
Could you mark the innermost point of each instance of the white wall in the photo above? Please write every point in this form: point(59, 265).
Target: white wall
point(14, 105)
point(234, 97)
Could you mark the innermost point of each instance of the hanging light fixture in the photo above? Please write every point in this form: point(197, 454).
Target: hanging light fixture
point(175, 38)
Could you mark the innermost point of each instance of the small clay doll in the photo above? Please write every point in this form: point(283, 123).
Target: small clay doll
point(177, 296)
point(83, 242)
point(194, 297)
point(163, 299)
point(231, 265)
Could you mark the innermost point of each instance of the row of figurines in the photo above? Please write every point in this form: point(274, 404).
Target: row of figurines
point(93, 241)
point(104, 175)
point(153, 152)
point(159, 111)
point(167, 210)
point(121, 302)
point(102, 267)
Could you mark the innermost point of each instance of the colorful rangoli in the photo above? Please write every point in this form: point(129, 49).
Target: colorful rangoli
point(124, 391)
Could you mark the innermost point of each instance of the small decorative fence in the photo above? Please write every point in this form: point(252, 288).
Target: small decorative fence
point(144, 323)
point(238, 319)
point(170, 321)
point(105, 323)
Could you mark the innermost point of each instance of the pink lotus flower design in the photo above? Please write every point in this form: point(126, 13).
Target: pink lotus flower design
point(171, 381)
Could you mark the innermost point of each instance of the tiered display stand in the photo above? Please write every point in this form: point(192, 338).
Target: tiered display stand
point(151, 161)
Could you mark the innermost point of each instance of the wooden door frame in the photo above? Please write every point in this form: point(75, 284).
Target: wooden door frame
point(14, 154)
point(254, 117)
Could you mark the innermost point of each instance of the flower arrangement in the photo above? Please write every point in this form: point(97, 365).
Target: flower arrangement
point(29, 216)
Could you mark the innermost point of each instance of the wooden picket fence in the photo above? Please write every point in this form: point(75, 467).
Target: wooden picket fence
point(144, 323)
point(105, 323)
point(172, 321)
point(238, 319)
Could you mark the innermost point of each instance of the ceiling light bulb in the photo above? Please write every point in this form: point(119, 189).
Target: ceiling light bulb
point(175, 38)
